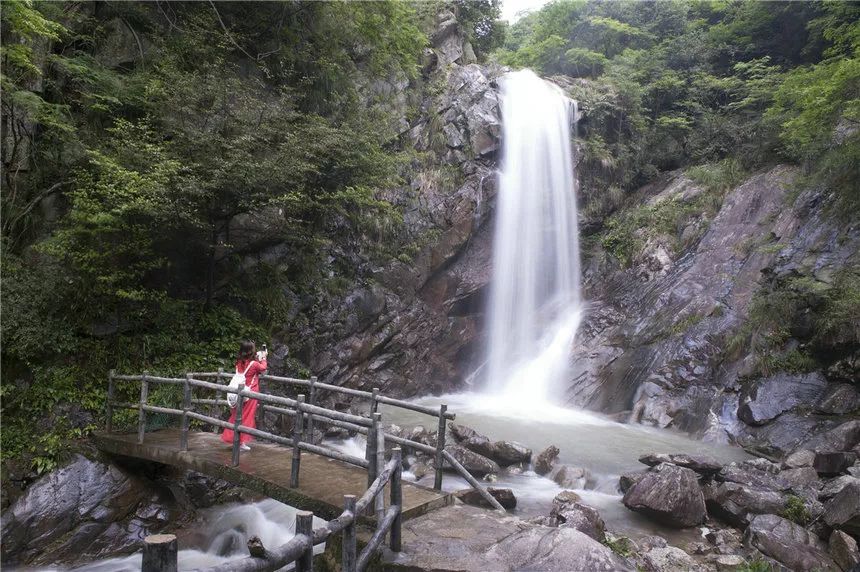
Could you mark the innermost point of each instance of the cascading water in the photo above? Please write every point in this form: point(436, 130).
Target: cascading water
point(535, 302)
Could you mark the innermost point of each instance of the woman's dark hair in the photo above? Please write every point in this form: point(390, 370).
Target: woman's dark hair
point(247, 349)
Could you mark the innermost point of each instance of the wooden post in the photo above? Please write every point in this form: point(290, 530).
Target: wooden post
point(214, 411)
point(440, 446)
point(261, 405)
point(236, 423)
point(141, 414)
point(370, 452)
point(160, 553)
point(313, 401)
point(109, 404)
point(297, 438)
point(305, 526)
point(348, 548)
point(186, 406)
point(374, 404)
point(380, 464)
point(394, 541)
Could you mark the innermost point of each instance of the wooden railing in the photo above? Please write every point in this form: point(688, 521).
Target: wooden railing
point(160, 552)
point(302, 435)
point(315, 387)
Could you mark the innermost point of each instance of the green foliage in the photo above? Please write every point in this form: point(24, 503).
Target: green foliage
point(480, 19)
point(822, 316)
point(141, 198)
point(756, 566)
point(626, 232)
point(795, 510)
point(678, 84)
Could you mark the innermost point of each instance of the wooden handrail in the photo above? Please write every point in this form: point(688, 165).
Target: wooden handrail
point(299, 549)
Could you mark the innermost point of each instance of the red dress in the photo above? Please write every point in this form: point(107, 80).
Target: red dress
point(249, 406)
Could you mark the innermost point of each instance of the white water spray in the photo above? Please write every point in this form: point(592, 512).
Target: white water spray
point(535, 302)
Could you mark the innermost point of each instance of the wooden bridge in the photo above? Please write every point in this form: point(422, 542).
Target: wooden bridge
point(319, 481)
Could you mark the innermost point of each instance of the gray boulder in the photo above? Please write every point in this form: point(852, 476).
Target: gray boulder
point(832, 487)
point(799, 477)
point(505, 497)
point(570, 477)
point(668, 559)
point(788, 543)
point(834, 462)
point(508, 453)
point(798, 459)
point(505, 453)
point(702, 464)
point(771, 396)
point(93, 507)
point(476, 464)
point(569, 512)
point(843, 437)
point(468, 538)
point(669, 494)
point(843, 510)
point(839, 399)
point(627, 480)
point(736, 504)
point(546, 459)
point(843, 549)
point(752, 475)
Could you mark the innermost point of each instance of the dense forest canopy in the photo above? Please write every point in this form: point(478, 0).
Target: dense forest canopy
point(138, 137)
point(678, 83)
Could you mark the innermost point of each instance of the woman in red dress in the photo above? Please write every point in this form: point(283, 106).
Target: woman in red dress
point(253, 363)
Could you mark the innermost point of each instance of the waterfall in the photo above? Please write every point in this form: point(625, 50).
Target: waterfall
point(535, 302)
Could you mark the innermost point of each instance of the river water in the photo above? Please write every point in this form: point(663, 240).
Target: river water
point(221, 535)
point(585, 439)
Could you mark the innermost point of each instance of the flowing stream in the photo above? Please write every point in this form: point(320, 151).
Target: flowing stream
point(221, 535)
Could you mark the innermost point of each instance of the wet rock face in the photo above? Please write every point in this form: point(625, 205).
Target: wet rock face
point(771, 396)
point(413, 325)
point(98, 509)
point(788, 543)
point(843, 510)
point(669, 494)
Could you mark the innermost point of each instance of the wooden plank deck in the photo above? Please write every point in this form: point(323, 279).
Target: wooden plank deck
point(266, 469)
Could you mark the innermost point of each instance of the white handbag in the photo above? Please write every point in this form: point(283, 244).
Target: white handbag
point(235, 381)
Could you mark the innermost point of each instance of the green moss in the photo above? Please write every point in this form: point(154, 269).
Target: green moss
point(686, 323)
point(795, 511)
point(621, 545)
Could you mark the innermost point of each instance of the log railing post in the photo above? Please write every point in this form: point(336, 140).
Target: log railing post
point(313, 401)
point(297, 438)
point(109, 404)
point(440, 446)
point(380, 465)
point(186, 406)
point(213, 409)
point(305, 526)
point(160, 553)
point(374, 404)
point(141, 414)
point(348, 547)
point(237, 421)
point(261, 405)
point(370, 452)
point(396, 499)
